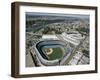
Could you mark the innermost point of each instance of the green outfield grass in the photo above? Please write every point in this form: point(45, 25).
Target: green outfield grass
point(56, 53)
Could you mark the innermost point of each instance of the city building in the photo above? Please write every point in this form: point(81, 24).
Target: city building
point(72, 37)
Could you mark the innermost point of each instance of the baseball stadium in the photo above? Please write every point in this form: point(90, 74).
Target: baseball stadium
point(51, 52)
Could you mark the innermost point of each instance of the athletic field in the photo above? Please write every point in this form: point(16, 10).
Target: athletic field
point(53, 53)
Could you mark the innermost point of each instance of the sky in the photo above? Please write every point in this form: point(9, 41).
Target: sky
point(57, 14)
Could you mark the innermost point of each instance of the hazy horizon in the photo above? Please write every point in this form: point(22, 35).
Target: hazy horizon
point(57, 15)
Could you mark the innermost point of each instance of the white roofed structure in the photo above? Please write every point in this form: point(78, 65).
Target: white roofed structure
point(72, 37)
point(53, 37)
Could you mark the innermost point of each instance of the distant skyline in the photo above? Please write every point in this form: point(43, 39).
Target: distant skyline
point(57, 14)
